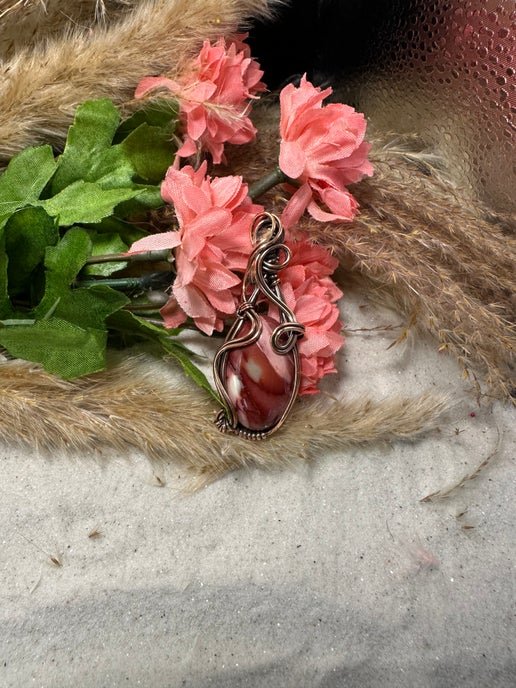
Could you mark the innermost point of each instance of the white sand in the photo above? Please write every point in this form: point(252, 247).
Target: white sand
point(331, 575)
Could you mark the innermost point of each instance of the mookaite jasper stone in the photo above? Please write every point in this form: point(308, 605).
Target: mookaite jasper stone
point(259, 381)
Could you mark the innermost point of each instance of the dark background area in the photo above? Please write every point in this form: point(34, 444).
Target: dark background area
point(330, 39)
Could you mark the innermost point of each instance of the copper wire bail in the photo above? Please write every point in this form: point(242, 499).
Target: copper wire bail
point(260, 284)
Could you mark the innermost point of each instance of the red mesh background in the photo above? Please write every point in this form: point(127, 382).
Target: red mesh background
point(447, 71)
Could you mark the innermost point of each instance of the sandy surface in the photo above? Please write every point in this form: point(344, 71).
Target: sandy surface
point(334, 574)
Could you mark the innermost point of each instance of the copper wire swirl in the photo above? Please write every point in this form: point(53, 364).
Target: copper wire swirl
point(260, 281)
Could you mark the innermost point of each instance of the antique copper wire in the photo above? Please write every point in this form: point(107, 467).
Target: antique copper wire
point(260, 280)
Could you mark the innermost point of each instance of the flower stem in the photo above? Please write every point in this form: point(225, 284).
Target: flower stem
point(154, 256)
point(273, 178)
point(154, 280)
point(151, 300)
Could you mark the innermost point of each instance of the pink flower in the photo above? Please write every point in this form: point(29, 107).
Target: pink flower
point(312, 295)
point(315, 308)
point(214, 97)
point(307, 260)
point(212, 244)
point(324, 149)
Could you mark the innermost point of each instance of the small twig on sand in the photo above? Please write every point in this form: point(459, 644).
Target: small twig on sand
point(446, 492)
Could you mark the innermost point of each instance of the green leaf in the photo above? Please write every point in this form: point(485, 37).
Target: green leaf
point(61, 347)
point(87, 307)
point(112, 171)
point(161, 112)
point(189, 368)
point(146, 149)
point(90, 306)
point(105, 243)
point(66, 259)
point(27, 234)
point(128, 323)
point(89, 139)
point(24, 179)
point(127, 231)
point(149, 199)
point(62, 263)
point(69, 336)
point(150, 151)
point(138, 163)
point(85, 202)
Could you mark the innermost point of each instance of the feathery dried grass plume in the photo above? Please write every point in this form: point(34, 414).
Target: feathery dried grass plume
point(447, 264)
point(105, 412)
point(25, 23)
point(442, 258)
point(40, 88)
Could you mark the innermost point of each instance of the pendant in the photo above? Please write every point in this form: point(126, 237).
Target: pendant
point(257, 369)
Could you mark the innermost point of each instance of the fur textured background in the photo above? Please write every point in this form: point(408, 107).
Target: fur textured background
point(420, 242)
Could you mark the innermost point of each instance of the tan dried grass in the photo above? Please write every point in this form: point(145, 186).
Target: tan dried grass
point(132, 406)
point(447, 264)
point(25, 23)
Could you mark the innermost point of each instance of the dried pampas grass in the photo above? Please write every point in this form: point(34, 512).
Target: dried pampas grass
point(149, 415)
point(449, 266)
point(25, 23)
point(40, 88)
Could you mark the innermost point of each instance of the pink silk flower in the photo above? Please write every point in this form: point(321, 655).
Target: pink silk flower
point(214, 97)
point(323, 149)
point(211, 248)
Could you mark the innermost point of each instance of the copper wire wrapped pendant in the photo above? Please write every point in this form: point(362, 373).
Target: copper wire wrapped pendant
point(256, 370)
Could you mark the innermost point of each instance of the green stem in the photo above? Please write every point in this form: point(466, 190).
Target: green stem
point(155, 280)
point(142, 308)
point(151, 301)
point(271, 179)
point(123, 283)
point(154, 256)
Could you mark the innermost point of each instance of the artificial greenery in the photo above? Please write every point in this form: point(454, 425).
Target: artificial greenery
point(58, 212)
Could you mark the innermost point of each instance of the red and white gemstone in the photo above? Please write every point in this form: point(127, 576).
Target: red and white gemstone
point(259, 381)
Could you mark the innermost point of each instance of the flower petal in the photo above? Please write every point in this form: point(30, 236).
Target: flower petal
point(153, 83)
point(187, 149)
point(292, 159)
point(172, 314)
point(214, 97)
point(155, 242)
point(296, 206)
point(194, 304)
point(196, 122)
